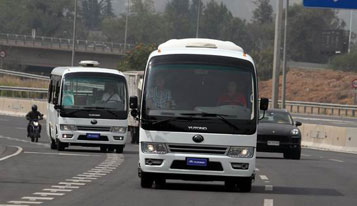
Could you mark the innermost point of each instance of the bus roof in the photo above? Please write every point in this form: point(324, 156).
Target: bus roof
point(65, 70)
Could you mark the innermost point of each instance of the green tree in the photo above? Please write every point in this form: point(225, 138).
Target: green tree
point(263, 13)
point(136, 58)
point(177, 19)
point(94, 11)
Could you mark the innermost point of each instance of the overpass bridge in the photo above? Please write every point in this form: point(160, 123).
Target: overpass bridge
point(44, 51)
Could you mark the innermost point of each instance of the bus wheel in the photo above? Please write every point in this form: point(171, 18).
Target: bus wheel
point(53, 144)
point(146, 181)
point(60, 145)
point(230, 185)
point(119, 149)
point(103, 148)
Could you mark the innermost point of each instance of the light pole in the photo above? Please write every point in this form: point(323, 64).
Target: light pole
point(74, 32)
point(198, 17)
point(283, 93)
point(126, 25)
point(276, 63)
point(350, 34)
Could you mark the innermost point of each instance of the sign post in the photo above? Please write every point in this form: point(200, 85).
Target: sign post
point(354, 87)
point(2, 56)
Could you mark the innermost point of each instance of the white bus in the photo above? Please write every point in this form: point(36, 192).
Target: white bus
point(87, 106)
point(191, 127)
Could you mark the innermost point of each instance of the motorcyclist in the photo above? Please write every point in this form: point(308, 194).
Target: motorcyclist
point(33, 115)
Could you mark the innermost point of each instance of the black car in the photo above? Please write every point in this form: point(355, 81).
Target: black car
point(277, 132)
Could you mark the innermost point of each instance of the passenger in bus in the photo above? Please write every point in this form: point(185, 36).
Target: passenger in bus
point(68, 97)
point(111, 93)
point(158, 96)
point(232, 96)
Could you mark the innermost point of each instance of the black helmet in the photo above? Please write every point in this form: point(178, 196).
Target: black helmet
point(34, 107)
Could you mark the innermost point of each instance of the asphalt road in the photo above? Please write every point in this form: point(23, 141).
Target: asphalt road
point(84, 176)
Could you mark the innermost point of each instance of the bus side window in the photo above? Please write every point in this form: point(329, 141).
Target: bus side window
point(49, 98)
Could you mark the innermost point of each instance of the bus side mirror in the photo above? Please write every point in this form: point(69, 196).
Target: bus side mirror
point(133, 102)
point(57, 107)
point(264, 104)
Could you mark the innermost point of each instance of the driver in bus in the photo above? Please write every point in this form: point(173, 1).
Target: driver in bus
point(111, 93)
point(232, 96)
point(159, 97)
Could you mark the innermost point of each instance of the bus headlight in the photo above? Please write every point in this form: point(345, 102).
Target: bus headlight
point(153, 148)
point(118, 129)
point(68, 127)
point(241, 152)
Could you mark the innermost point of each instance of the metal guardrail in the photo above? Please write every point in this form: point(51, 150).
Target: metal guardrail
point(24, 89)
point(22, 74)
point(62, 43)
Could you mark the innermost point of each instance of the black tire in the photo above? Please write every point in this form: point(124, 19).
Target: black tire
point(32, 139)
point(160, 183)
point(103, 148)
point(146, 180)
point(60, 146)
point(245, 185)
point(53, 144)
point(230, 186)
point(110, 149)
point(296, 154)
point(36, 139)
point(119, 149)
point(287, 155)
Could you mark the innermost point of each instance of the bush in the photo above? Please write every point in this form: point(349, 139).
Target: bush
point(345, 62)
point(136, 58)
point(264, 63)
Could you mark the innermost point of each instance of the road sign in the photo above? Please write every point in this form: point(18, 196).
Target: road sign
point(338, 4)
point(2, 54)
point(354, 83)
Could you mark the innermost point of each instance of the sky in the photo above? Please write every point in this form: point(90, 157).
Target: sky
point(240, 8)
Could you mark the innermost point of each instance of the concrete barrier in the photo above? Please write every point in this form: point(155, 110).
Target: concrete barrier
point(20, 107)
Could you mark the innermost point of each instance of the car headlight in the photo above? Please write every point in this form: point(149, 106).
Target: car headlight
point(118, 129)
point(68, 127)
point(295, 132)
point(153, 148)
point(241, 152)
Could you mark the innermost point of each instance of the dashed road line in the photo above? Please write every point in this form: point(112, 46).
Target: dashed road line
point(19, 150)
point(56, 190)
point(65, 186)
point(78, 180)
point(63, 154)
point(336, 160)
point(263, 177)
point(25, 202)
point(71, 183)
point(48, 194)
point(37, 198)
point(268, 202)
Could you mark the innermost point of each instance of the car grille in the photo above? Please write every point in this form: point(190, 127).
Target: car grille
point(101, 138)
point(181, 164)
point(197, 149)
point(90, 128)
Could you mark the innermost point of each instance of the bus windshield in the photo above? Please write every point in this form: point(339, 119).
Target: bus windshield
point(94, 91)
point(204, 86)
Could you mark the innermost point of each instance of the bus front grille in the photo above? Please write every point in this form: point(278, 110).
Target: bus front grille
point(220, 150)
point(90, 128)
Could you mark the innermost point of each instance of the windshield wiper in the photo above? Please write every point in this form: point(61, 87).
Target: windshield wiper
point(220, 116)
point(153, 122)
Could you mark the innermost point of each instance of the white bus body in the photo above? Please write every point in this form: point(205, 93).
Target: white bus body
point(193, 137)
point(83, 111)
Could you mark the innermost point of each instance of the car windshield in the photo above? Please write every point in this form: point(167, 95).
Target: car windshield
point(180, 89)
point(277, 117)
point(94, 91)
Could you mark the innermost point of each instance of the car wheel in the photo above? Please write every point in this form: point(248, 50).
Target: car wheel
point(146, 181)
point(53, 144)
point(245, 185)
point(160, 183)
point(119, 149)
point(296, 154)
point(60, 145)
point(287, 155)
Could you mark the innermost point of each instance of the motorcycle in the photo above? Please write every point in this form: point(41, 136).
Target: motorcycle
point(34, 132)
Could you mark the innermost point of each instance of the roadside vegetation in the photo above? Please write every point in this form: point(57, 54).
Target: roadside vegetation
point(345, 62)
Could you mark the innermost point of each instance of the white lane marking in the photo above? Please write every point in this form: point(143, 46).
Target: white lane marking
point(305, 155)
point(48, 194)
point(65, 187)
point(19, 150)
point(71, 183)
point(336, 160)
point(85, 178)
point(268, 202)
point(267, 181)
point(268, 187)
point(37, 198)
point(25, 202)
point(94, 174)
point(63, 154)
point(263, 177)
point(56, 190)
point(78, 180)
point(89, 175)
point(12, 205)
point(257, 169)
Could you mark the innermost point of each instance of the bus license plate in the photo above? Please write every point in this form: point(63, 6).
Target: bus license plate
point(93, 136)
point(196, 162)
point(273, 143)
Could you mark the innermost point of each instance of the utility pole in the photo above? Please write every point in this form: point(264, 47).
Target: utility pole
point(74, 32)
point(283, 93)
point(198, 17)
point(350, 34)
point(276, 63)
point(126, 24)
